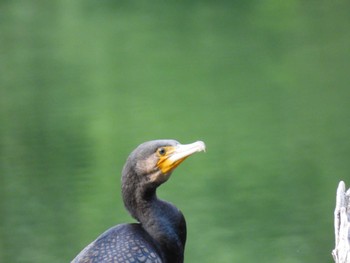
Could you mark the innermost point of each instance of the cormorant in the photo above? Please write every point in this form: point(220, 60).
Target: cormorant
point(160, 234)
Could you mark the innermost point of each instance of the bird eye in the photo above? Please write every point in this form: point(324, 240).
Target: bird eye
point(161, 151)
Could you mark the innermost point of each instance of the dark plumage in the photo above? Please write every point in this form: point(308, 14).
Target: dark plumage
point(160, 235)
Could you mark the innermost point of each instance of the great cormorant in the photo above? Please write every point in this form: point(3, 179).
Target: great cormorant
point(160, 234)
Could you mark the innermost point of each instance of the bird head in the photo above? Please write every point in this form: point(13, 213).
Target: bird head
point(154, 161)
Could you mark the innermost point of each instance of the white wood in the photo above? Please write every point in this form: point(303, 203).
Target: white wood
point(341, 252)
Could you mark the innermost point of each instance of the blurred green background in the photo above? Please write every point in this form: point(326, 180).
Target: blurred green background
point(264, 83)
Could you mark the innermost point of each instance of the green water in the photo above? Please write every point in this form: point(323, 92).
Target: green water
point(264, 83)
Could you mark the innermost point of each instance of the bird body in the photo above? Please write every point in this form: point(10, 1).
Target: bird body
point(160, 235)
point(111, 245)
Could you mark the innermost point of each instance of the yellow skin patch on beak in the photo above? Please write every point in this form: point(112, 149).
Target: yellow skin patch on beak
point(171, 156)
point(165, 164)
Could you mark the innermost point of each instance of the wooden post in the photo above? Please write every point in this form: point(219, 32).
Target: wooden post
point(341, 252)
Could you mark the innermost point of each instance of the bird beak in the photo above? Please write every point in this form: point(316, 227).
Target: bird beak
point(177, 154)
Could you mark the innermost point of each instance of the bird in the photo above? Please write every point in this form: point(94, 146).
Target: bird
point(159, 235)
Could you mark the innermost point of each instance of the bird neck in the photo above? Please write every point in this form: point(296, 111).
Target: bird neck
point(137, 199)
point(165, 224)
point(162, 221)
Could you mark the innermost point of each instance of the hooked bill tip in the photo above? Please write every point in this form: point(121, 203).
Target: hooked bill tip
point(200, 146)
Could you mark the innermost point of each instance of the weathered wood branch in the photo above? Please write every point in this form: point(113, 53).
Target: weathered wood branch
point(341, 252)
